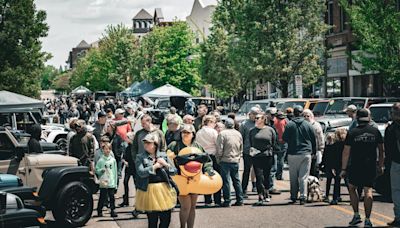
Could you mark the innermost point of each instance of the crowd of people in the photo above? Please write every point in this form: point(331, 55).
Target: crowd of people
point(123, 137)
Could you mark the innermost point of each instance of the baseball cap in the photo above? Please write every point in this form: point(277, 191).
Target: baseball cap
point(150, 138)
point(298, 109)
point(351, 108)
point(105, 139)
point(271, 110)
point(280, 115)
point(119, 111)
point(363, 115)
point(229, 123)
point(101, 114)
point(254, 110)
point(188, 128)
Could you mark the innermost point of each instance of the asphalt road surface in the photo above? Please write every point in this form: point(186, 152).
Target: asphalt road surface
point(278, 213)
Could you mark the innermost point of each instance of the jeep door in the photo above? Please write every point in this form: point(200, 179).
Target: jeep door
point(8, 162)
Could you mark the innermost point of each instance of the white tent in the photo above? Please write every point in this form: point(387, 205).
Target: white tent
point(166, 91)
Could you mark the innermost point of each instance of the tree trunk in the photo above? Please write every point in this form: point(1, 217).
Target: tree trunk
point(284, 88)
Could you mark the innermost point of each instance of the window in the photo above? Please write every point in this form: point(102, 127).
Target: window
point(144, 24)
point(6, 147)
point(330, 16)
point(342, 19)
point(137, 25)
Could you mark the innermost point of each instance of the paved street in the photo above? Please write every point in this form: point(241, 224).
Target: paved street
point(277, 214)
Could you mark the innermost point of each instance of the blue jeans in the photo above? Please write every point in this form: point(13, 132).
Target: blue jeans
point(281, 160)
point(229, 173)
point(272, 174)
point(395, 180)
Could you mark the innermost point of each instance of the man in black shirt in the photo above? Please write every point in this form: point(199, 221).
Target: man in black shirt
point(360, 146)
point(392, 150)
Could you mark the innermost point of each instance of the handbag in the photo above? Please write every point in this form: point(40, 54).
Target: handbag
point(104, 180)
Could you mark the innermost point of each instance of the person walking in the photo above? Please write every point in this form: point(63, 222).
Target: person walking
point(202, 111)
point(99, 125)
point(332, 161)
point(206, 137)
point(300, 136)
point(229, 151)
point(319, 136)
point(280, 123)
point(130, 171)
point(392, 151)
point(263, 141)
point(155, 195)
point(187, 213)
point(106, 169)
point(360, 147)
point(173, 132)
point(244, 129)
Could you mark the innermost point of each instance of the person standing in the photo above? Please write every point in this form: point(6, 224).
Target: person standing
point(229, 151)
point(173, 132)
point(280, 123)
point(319, 136)
point(106, 169)
point(148, 127)
point(172, 113)
point(99, 125)
point(392, 151)
point(271, 117)
point(206, 137)
point(155, 194)
point(263, 141)
point(360, 147)
point(351, 112)
point(34, 141)
point(130, 171)
point(82, 145)
point(202, 111)
point(300, 136)
point(244, 129)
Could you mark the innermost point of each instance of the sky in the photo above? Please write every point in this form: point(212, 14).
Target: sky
point(71, 21)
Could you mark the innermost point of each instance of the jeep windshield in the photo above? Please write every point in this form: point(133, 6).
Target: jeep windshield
point(248, 105)
point(22, 138)
point(338, 106)
point(380, 114)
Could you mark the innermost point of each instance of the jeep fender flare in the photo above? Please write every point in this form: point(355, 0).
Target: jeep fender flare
point(54, 178)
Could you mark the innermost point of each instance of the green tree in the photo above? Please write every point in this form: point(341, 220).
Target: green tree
point(275, 40)
point(112, 66)
point(376, 25)
point(49, 73)
point(216, 68)
point(21, 58)
point(62, 82)
point(170, 56)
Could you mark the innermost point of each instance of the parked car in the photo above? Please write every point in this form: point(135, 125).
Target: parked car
point(13, 184)
point(63, 186)
point(320, 108)
point(291, 102)
point(338, 105)
point(55, 133)
point(380, 113)
point(241, 114)
point(14, 214)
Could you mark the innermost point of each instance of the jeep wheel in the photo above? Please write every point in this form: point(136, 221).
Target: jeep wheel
point(74, 204)
point(62, 143)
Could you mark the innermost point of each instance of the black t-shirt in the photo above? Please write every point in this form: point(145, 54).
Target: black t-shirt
point(263, 139)
point(364, 141)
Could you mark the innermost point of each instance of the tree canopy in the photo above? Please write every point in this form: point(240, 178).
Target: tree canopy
point(21, 58)
point(376, 25)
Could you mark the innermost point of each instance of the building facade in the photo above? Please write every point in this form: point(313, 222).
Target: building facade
point(343, 75)
point(200, 20)
point(76, 53)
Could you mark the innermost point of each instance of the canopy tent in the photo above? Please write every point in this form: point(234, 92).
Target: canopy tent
point(12, 102)
point(81, 90)
point(137, 89)
point(166, 91)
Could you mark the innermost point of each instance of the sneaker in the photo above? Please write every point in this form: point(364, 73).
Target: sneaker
point(260, 202)
point(226, 204)
point(368, 223)
point(292, 201)
point(245, 196)
point(302, 201)
point(135, 214)
point(267, 199)
point(326, 199)
point(356, 220)
point(238, 204)
point(254, 189)
point(394, 223)
point(333, 202)
point(113, 214)
point(207, 205)
point(279, 178)
point(274, 192)
point(123, 204)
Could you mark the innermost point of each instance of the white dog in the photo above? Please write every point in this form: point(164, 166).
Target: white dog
point(314, 189)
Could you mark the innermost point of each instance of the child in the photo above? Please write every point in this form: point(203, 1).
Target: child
point(332, 161)
point(106, 169)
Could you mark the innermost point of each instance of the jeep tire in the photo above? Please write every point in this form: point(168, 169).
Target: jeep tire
point(62, 143)
point(73, 205)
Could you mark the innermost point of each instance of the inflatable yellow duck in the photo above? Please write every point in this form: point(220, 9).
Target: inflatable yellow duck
point(191, 179)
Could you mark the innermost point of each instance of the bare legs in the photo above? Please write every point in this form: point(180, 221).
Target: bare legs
point(187, 213)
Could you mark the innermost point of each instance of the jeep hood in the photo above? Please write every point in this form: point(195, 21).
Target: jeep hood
point(51, 160)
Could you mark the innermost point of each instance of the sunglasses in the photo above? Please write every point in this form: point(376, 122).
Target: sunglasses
point(186, 132)
point(306, 116)
point(259, 117)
